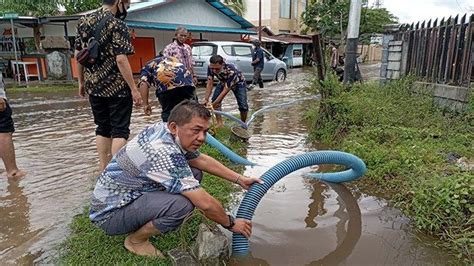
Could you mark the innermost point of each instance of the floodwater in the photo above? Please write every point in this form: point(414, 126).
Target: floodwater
point(307, 222)
point(298, 222)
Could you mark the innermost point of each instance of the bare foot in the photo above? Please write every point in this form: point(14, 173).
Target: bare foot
point(16, 174)
point(142, 249)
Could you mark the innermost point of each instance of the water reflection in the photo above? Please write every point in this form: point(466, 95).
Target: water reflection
point(14, 218)
point(348, 213)
point(346, 240)
point(316, 207)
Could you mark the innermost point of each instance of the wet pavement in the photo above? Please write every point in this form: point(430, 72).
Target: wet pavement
point(298, 222)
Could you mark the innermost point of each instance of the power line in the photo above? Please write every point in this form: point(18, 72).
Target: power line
point(461, 8)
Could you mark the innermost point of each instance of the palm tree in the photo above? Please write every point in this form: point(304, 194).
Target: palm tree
point(238, 6)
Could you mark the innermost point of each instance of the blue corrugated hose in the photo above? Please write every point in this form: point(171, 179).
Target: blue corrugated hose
point(231, 117)
point(240, 244)
point(232, 156)
point(266, 108)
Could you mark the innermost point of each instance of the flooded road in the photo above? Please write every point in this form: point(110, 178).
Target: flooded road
point(298, 222)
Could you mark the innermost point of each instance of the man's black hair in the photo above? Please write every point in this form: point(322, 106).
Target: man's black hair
point(184, 112)
point(216, 59)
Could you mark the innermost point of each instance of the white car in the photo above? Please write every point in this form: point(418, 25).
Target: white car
point(239, 54)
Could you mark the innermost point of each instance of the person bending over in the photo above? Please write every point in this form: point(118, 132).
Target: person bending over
point(230, 78)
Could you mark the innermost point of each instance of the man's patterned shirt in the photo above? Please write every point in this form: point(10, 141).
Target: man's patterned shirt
point(229, 75)
point(182, 52)
point(104, 79)
point(151, 161)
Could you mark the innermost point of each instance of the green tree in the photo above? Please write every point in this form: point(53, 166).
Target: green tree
point(47, 7)
point(373, 20)
point(73, 7)
point(330, 18)
point(238, 6)
point(30, 7)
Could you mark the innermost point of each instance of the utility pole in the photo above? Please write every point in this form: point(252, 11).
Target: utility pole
point(12, 16)
point(352, 39)
point(318, 57)
point(378, 3)
point(260, 20)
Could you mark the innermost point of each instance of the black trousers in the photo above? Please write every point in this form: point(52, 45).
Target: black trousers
point(169, 99)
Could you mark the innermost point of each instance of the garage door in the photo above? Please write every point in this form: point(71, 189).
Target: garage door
point(144, 52)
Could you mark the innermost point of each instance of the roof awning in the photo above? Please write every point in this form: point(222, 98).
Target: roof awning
point(268, 39)
point(169, 26)
point(24, 20)
point(230, 13)
point(286, 39)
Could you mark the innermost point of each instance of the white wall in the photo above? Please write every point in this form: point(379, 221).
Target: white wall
point(190, 12)
point(163, 37)
point(57, 29)
point(252, 10)
point(22, 31)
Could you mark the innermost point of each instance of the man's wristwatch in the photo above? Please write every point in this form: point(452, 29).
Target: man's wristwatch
point(231, 222)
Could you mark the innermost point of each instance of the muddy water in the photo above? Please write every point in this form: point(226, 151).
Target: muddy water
point(55, 144)
point(307, 222)
point(298, 222)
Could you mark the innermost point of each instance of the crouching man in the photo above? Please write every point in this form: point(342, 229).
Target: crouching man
point(153, 182)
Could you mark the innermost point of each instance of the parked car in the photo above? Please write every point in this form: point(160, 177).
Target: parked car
point(239, 54)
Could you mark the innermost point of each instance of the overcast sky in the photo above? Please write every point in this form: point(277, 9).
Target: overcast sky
point(409, 11)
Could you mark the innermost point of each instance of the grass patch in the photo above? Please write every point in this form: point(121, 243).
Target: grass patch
point(89, 245)
point(42, 88)
point(405, 141)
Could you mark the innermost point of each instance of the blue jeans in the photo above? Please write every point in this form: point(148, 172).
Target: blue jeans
point(240, 93)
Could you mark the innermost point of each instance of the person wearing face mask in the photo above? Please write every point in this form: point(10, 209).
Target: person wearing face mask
point(153, 183)
point(109, 82)
point(230, 78)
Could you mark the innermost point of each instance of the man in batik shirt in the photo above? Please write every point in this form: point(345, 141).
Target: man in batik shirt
point(109, 82)
point(149, 186)
point(230, 78)
point(172, 81)
point(182, 51)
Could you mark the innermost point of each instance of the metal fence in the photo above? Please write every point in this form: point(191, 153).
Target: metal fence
point(440, 52)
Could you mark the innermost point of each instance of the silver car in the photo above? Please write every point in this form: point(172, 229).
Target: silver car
point(239, 54)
